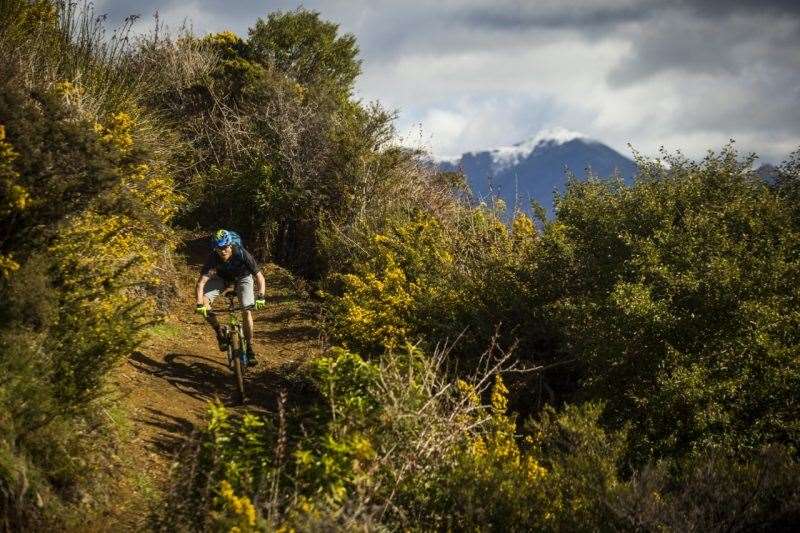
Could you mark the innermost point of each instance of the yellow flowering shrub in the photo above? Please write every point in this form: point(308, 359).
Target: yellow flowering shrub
point(105, 254)
point(85, 211)
point(491, 480)
point(226, 43)
point(376, 306)
point(336, 465)
point(133, 235)
point(523, 233)
point(235, 69)
point(145, 195)
point(117, 132)
point(232, 468)
point(431, 281)
point(74, 96)
point(97, 260)
point(240, 514)
point(395, 289)
point(15, 196)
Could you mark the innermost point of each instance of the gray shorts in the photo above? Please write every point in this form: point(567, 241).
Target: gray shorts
point(244, 289)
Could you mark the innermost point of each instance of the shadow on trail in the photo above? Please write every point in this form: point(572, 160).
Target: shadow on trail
point(172, 434)
point(206, 379)
point(302, 312)
point(288, 379)
point(196, 376)
point(289, 334)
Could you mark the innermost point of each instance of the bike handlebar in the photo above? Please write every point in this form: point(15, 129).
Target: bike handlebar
point(234, 309)
point(231, 297)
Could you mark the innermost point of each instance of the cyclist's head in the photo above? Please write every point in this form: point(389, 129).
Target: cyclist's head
point(223, 244)
point(222, 238)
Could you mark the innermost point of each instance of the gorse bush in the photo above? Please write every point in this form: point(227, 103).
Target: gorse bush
point(429, 280)
point(393, 443)
point(100, 213)
point(382, 298)
point(678, 298)
point(86, 213)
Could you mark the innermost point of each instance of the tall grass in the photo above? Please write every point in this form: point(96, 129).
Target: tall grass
point(62, 41)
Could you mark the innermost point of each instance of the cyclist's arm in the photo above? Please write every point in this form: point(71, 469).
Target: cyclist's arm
point(261, 284)
point(208, 270)
point(252, 266)
point(200, 286)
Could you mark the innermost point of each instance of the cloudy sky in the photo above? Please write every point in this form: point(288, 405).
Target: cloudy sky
point(469, 75)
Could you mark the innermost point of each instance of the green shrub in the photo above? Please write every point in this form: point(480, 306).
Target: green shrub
point(428, 280)
point(678, 298)
point(716, 490)
point(307, 49)
point(278, 146)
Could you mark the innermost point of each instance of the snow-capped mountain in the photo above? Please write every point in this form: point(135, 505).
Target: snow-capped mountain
point(505, 157)
point(536, 167)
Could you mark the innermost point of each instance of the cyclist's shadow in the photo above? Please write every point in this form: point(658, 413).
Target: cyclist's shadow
point(197, 376)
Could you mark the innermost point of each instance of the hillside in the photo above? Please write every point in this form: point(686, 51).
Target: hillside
point(429, 361)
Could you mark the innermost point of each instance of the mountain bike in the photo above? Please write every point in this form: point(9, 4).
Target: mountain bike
point(236, 341)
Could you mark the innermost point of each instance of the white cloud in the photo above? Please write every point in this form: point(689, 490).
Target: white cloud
point(469, 74)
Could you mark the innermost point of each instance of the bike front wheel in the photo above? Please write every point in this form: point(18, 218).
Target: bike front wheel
point(238, 371)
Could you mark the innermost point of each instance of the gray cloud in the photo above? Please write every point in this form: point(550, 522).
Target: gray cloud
point(673, 43)
point(728, 45)
point(590, 17)
point(717, 8)
point(689, 35)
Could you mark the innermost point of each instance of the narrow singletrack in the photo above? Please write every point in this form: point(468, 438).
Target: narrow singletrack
point(168, 384)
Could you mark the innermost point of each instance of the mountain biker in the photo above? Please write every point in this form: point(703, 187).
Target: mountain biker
point(230, 265)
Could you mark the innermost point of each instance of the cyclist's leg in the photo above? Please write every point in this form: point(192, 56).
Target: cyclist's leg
point(244, 289)
point(214, 287)
point(248, 329)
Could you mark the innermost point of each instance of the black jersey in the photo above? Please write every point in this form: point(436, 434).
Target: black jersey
point(239, 265)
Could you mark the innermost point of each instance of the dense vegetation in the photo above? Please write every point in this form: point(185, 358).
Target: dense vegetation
point(86, 209)
point(631, 364)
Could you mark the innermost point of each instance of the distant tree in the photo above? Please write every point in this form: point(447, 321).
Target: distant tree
point(306, 48)
point(787, 183)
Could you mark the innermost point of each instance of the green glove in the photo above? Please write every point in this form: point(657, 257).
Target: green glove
point(202, 310)
point(261, 303)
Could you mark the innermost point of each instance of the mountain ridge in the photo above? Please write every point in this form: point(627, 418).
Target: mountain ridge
point(537, 167)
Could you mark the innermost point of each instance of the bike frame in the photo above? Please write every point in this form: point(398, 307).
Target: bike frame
point(237, 344)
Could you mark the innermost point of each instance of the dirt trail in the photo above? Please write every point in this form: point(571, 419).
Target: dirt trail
point(168, 383)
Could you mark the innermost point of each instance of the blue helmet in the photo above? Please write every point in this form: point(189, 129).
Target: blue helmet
point(222, 238)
